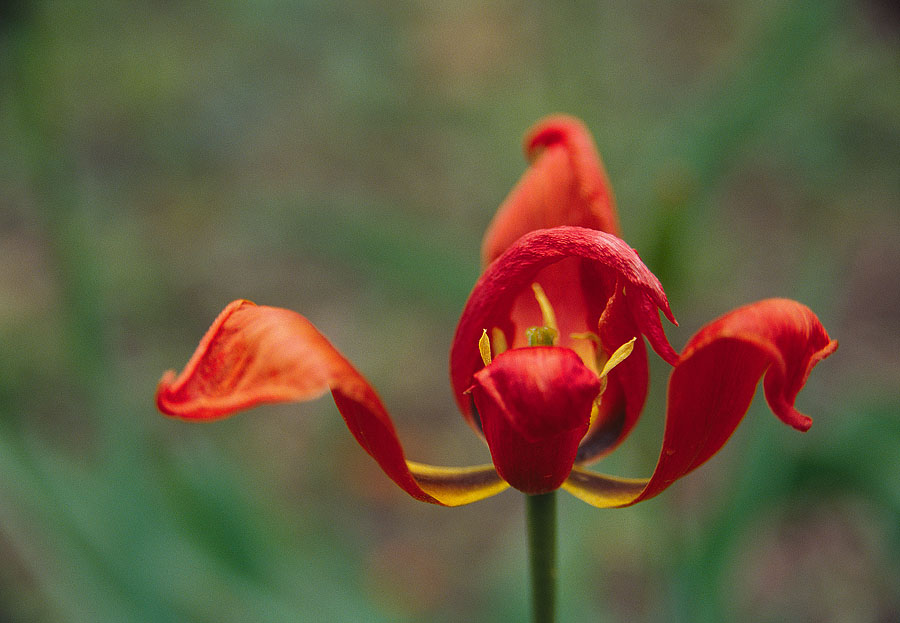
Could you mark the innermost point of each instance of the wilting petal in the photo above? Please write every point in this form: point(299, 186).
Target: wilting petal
point(712, 386)
point(609, 259)
point(253, 355)
point(604, 491)
point(535, 406)
point(456, 486)
point(566, 184)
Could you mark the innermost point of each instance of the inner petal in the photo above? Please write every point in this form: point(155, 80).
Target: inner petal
point(534, 405)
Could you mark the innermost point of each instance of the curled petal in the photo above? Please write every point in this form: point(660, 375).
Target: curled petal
point(535, 406)
point(604, 491)
point(792, 336)
point(607, 260)
point(255, 354)
point(456, 486)
point(566, 184)
point(712, 386)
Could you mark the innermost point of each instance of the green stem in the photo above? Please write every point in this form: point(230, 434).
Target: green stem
point(542, 546)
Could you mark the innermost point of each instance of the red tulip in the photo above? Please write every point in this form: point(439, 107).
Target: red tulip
point(550, 407)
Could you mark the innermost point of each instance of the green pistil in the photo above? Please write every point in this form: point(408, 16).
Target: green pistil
point(541, 336)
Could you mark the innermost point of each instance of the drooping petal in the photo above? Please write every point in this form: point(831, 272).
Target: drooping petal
point(609, 260)
point(566, 184)
point(604, 491)
point(712, 386)
point(254, 354)
point(456, 486)
point(535, 406)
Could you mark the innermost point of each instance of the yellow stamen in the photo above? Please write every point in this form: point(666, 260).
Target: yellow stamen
point(595, 409)
point(498, 340)
point(618, 356)
point(546, 308)
point(599, 356)
point(587, 335)
point(484, 347)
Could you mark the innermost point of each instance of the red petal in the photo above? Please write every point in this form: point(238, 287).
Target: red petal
point(535, 406)
point(792, 337)
point(253, 355)
point(608, 260)
point(713, 384)
point(565, 185)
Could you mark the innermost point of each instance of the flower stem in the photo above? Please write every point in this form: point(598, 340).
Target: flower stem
point(542, 547)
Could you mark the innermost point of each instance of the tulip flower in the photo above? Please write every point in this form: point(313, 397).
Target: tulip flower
point(548, 364)
point(546, 407)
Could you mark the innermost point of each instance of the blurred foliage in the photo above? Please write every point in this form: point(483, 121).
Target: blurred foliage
point(159, 159)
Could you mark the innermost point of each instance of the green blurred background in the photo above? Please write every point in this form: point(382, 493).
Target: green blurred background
point(159, 159)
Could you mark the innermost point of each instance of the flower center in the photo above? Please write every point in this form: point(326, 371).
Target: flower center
point(546, 336)
point(536, 404)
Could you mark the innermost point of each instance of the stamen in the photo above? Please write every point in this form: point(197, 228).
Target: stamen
point(595, 409)
point(587, 335)
point(498, 340)
point(599, 357)
point(484, 347)
point(620, 355)
point(546, 308)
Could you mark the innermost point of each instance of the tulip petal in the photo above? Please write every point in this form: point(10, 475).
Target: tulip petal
point(535, 406)
point(456, 486)
point(712, 386)
point(603, 491)
point(566, 184)
point(607, 260)
point(254, 354)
